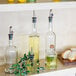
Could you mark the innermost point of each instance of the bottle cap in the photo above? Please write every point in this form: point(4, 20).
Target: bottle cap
point(10, 36)
point(50, 16)
point(34, 18)
point(10, 33)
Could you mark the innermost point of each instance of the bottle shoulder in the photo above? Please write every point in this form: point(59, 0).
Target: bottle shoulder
point(34, 35)
point(11, 48)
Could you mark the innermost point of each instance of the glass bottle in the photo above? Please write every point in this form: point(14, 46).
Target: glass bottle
point(56, 0)
point(11, 53)
point(22, 1)
point(31, 1)
point(34, 39)
point(11, 1)
point(51, 56)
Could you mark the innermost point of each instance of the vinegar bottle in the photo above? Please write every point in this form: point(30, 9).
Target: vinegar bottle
point(11, 53)
point(51, 56)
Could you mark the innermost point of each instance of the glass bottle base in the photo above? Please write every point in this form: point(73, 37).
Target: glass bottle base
point(8, 71)
point(51, 63)
point(49, 67)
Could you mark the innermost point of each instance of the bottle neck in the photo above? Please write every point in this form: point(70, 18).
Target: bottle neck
point(50, 27)
point(10, 43)
point(10, 39)
point(34, 19)
point(34, 28)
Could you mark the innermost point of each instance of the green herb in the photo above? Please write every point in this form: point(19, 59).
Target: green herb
point(23, 66)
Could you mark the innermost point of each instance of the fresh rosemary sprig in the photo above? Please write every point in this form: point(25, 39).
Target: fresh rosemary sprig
point(26, 65)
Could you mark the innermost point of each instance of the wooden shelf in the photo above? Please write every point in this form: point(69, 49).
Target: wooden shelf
point(37, 1)
point(59, 67)
point(36, 6)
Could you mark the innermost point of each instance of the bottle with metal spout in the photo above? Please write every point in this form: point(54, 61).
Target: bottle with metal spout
point(34, 39)
point(51, 56)
point(11, 53)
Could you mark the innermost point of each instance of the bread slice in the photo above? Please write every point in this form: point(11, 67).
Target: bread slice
point(72, 56)
point(66, 54)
